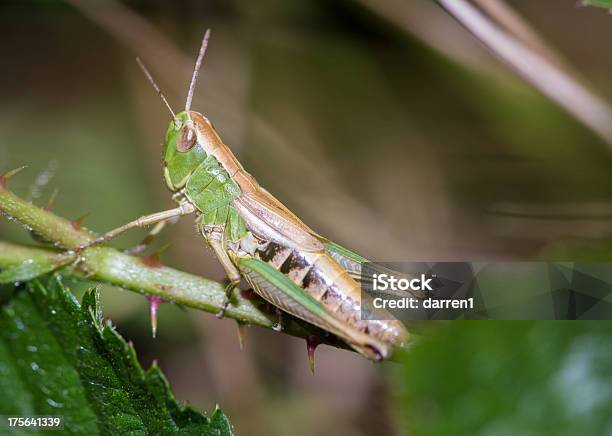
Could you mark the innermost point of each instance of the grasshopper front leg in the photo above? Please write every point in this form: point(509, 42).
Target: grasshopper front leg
point(143, 221)
point(215, 236)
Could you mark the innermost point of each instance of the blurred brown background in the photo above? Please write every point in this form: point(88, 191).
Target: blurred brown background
point(385, 126)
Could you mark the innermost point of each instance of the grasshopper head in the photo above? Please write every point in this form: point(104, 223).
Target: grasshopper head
point(189, 140)
point(190, 137)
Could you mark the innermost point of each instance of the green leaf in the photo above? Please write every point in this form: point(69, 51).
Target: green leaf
point(507, 378)
point(57, 357)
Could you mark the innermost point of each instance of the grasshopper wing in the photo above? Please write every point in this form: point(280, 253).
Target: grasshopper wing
point(349, 261)
point(269, 218)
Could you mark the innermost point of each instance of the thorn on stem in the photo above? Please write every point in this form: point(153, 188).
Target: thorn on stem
point(4, 177)
point(241, 329)
point(312, 342)
point(77, 223)
point(152, 260)
point(154, 302)
point(52, 200)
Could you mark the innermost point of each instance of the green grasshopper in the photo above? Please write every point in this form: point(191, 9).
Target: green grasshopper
point(257, 238)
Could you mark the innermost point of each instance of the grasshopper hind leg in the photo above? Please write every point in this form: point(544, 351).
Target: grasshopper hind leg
point(279, 290)
point(215, 236)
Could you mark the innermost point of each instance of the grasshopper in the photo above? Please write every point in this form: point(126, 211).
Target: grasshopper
point(255, 237)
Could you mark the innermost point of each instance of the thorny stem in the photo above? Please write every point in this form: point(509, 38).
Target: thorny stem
point(106, 264)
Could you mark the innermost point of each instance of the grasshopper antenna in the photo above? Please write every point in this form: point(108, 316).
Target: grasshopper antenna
point(152, 82)
point(196, 69)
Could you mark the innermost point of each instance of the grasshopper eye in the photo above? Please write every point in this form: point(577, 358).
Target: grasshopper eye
point(186, 140)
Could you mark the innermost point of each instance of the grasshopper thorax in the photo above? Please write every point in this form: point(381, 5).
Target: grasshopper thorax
point(190, 139)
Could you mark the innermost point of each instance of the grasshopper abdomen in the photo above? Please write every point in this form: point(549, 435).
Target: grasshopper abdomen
point(323, 279)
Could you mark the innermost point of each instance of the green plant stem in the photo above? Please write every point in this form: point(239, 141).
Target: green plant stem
point(49, 226)
point(108, 265)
